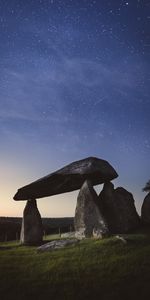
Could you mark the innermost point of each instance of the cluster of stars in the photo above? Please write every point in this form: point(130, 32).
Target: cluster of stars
point(46, 36)
point(74, 82)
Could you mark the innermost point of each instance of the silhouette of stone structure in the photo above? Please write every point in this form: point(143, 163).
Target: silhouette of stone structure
point(145, 211)
point(68, 179)
point(111, 211)
point(118, 207)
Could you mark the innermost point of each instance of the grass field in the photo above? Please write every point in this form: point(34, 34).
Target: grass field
point(93, 269)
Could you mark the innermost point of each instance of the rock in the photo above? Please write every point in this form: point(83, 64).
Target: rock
point(68, 179)
point(145, 211)
point(57, 244)
point(31, 231)
point(98, 234)
point(87, 215)
point(80, 234)
point(68, 235)
point(108, 206)
point(121, 238)
point(118, 209)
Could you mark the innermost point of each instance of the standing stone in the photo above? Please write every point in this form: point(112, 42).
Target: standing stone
point(108, 206)
point(145, 212)
point(31, 231)
point(88, 219)
point(118, 208)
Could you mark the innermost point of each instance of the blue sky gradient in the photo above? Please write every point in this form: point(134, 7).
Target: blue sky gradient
point(74, 82)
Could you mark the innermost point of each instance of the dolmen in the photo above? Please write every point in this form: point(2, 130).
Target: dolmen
point(113, 211)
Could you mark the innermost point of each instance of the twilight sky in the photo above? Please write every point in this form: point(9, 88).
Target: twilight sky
point(74, 82)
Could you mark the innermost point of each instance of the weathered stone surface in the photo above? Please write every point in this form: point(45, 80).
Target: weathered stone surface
point(57, 244)
point(88, 219)
point(31, 231)
point(145, 211)
point(68, 235)
point(68, 179)
point(118, 209)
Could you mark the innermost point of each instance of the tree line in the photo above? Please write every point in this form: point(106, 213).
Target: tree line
point(10, 227)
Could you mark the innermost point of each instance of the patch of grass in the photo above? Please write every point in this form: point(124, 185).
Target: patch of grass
point(52, 237)
point(93, 269)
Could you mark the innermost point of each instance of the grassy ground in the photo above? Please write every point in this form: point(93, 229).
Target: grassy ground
point(93, 269)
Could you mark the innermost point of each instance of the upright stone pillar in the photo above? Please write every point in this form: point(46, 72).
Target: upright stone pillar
point(31, 230)
point(145, 211)
point(88, 219)
point(117, 205)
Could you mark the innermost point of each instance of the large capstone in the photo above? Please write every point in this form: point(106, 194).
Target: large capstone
point(31, 230)
point(88, 220)
point(68, 179)
point(145, 211)
point(117, 206)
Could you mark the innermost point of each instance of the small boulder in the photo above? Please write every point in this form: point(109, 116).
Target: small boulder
point(117, 206)
point(121, 238)
point(57, 244)
point(31, 230)
point(88, 218)
point(145, 211)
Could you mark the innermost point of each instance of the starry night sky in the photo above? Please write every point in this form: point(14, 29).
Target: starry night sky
point(74, 82)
